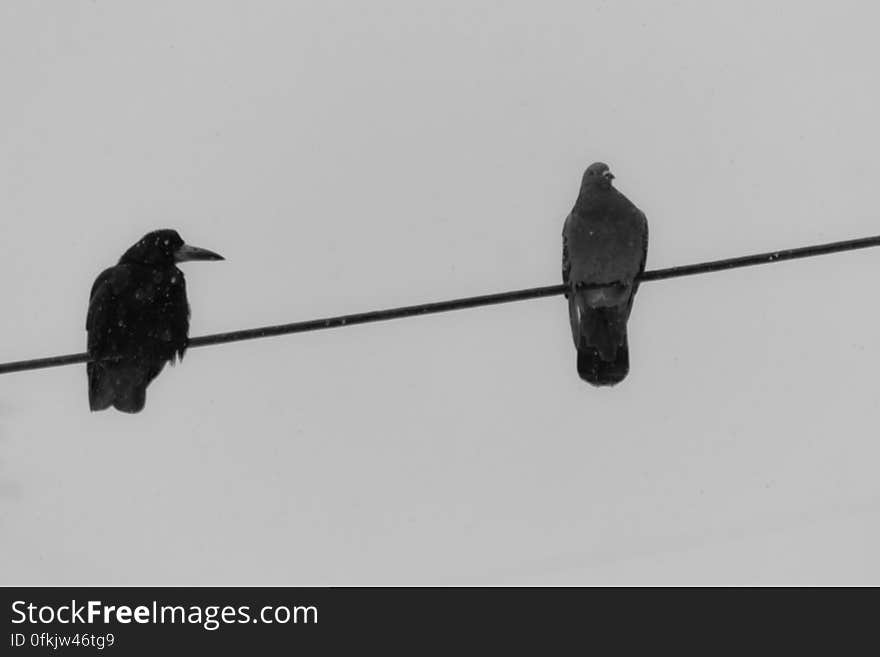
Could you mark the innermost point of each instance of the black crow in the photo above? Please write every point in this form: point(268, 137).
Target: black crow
point(138, 320)
point(604, 248)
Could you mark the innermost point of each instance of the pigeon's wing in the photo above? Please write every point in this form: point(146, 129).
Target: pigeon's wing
point(644, 242)
point(643, 255)
point(566, 257)
point(566, 263)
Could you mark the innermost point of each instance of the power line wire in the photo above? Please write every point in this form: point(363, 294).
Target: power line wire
point(467, 302)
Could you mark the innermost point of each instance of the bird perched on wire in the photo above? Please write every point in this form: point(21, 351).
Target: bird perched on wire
point(604, 247)
point(138, 320)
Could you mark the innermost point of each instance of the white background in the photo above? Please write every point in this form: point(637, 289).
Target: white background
point(351, 156)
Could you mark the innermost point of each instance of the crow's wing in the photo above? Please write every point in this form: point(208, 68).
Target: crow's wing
point(102, 319)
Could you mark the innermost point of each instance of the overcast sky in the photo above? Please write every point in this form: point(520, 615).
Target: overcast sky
point(351, 156)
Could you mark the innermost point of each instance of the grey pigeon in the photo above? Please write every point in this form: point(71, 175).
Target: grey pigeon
point(604, 247)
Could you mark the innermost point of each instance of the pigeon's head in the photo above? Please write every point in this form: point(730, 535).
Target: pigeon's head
point(597, 175)
point(164, 248)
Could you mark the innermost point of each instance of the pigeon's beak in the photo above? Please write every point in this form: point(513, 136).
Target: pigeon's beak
point(608, 175)
point(187, 252)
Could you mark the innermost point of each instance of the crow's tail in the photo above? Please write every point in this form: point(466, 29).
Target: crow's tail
point(113, 384)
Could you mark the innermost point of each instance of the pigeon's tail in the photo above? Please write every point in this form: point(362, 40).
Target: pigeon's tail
point(598, 326)
point(597, 371)
point(122, 386)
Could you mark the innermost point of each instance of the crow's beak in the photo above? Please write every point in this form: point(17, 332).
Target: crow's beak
point(187, 252)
